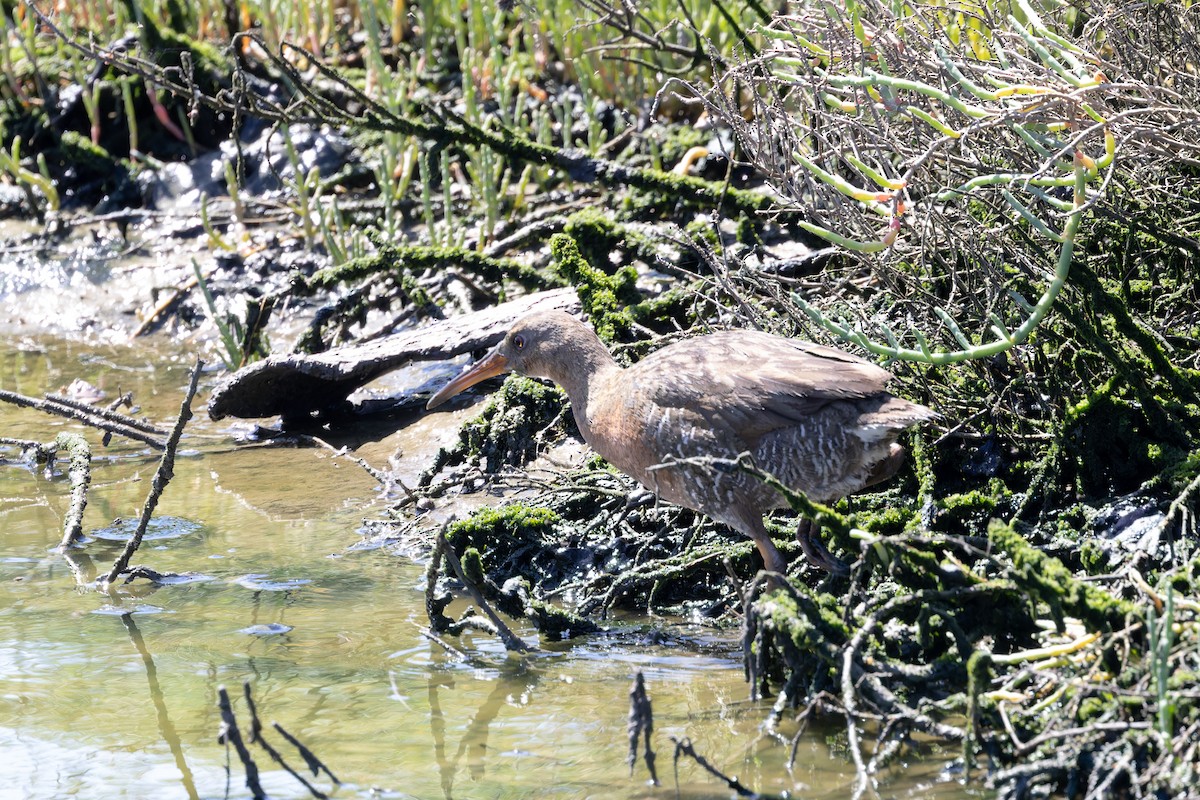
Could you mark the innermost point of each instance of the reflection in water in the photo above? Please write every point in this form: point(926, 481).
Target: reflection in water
point(81, 566)
point(165, 726)
point(473, 745)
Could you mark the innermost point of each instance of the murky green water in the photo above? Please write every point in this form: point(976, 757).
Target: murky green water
point(115, 696)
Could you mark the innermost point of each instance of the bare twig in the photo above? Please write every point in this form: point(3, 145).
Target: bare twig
point(683, 747)
point(315, 764)
point(89, 415)
point(109, 413)
point(166, 470)
point(256, 737)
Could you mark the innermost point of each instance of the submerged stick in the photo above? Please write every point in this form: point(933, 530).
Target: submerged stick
point(256, 737)
point(166, 471)
point(683, 747)
point(512, 642)
point(641, 723)
point(108, 413)
point(315, 764)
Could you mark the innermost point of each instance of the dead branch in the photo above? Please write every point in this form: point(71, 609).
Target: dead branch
point(93, 416)
point(166, 470)
point(80, 475)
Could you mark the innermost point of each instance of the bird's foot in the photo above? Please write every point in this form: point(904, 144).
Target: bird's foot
point(817, 553)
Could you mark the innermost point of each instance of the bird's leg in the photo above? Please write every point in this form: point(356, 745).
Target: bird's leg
point(773, 560)
point(815, 551)
point(753, 527)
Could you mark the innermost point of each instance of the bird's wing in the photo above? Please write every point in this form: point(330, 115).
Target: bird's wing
point(749, 383)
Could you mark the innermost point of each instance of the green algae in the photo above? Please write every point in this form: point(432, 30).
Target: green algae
point(399, 264)
point(609, 293)
point(794, 639)
point(515, 424)
point(513, 521)
point(500, 541)
point(1094, 558)
point(406, 260)
point(1119, 392)
point(605, 298)
point(979, 675)
point(79, 151)
point(1045, 579)
point(971, 510)
point(598, 237)
point(500, 527)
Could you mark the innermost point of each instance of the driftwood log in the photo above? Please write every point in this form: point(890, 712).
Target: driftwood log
point(301, 387)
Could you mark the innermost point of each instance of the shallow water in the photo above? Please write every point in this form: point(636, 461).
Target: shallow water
point(115, 696)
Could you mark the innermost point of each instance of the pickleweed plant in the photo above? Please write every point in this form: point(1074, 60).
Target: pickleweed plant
point(875, 136)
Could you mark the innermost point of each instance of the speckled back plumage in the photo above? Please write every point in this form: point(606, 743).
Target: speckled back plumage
point(817, 418)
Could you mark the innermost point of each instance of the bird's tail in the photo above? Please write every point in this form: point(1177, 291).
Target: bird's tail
point(892, 416)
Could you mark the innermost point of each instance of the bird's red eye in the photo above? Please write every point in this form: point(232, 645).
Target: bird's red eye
point(518, 341)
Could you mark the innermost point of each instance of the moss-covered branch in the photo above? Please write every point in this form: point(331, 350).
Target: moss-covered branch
point(409, 259)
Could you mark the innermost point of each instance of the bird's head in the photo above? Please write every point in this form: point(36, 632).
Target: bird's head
point(540, 345)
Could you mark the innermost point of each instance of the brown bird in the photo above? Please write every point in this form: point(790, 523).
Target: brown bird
point(815, 417)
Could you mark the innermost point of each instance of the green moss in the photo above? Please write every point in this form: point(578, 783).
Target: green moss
point(514, 521)
point(749, 229)
point(803, 622)
point(1182, 679)
point(972, 502)
point(598, 237)
point(604, 297)
point(890, 519)
point(676, 140)
point(798, 634)
point(1113, 420)
point(404, 261)
point(502, 526)
point(702, 230)
point(971, 510)
point(924, 461)
point(80, 152)
point(911, 567)
point(472, 564)
point(1092, 708)
point(507, 432)
point(1093, 557)
point(1071, 522)
point(556, 621)
point(1180, 474)
point(1044, 578)
point(607, 290)
point(979, 676)
point(1139, 346)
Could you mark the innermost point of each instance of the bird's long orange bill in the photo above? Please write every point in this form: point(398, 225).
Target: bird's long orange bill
point(491, 365)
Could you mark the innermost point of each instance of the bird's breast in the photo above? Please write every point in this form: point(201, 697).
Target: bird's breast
point(652, 443)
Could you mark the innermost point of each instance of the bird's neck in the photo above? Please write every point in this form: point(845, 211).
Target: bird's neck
point(585, 376)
